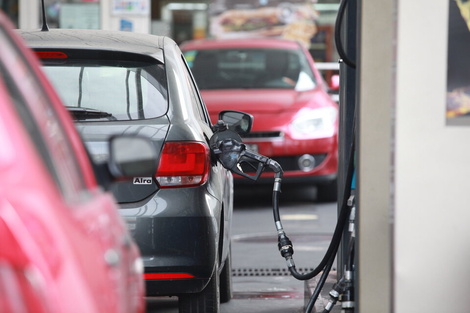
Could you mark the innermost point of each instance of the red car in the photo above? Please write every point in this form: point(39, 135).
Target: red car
point(275, 80)
point(64, 248)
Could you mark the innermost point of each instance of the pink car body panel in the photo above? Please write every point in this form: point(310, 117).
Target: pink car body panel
point(60, 251)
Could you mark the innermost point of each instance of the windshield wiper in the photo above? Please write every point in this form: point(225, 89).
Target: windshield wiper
point(81, 114)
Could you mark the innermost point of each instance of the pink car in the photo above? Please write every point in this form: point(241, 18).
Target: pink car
point(276, 81)
point(64, 247)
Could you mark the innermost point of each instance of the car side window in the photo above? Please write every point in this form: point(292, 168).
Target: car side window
point(41, 120)
point(195, 94)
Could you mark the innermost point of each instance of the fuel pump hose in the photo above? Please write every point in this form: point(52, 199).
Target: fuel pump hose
point(285, 245)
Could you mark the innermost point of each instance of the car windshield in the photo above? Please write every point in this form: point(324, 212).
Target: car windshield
point(110, 90)
point(250, 68)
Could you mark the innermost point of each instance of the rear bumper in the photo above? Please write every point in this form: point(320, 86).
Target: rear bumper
point(312, 180)
point(181, 245)
point(174, 287)
point(177, 231)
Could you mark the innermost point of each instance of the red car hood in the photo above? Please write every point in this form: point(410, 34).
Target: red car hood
point(252, 101)
point(262, 104)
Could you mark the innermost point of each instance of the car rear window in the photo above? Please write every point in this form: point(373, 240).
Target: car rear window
point(250, 68)
point(108, 88)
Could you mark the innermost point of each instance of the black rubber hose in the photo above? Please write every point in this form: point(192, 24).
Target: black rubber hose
point(339, 44)
point(342, 221)
point(351, 255)
point(319, 286)
point(277, 217)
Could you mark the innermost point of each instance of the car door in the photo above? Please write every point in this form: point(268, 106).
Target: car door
point(221, 177)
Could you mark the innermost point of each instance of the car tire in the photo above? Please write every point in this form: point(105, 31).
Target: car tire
point(226, 279)
point(328, 192)
point(206, 301)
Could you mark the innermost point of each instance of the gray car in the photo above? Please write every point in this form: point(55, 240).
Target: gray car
point(128, 83)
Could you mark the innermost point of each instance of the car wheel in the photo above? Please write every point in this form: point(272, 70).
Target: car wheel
point(327, 192)
point(206, 301)
point(226, 279)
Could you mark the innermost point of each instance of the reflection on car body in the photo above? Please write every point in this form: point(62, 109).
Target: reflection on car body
point(275, 80)
point(128, 83)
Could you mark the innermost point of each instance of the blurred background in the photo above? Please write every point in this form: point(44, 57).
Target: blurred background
point(311, 21)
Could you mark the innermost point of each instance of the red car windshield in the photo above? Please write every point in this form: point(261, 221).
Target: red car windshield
point(250, 69)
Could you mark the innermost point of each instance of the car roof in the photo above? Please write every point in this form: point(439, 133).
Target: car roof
point(87, 39)
point(275, 43)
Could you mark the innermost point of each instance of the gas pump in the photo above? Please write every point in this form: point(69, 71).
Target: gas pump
point(230, 150)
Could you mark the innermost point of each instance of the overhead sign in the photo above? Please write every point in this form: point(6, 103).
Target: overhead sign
point(263, 18)
point(131, 7)
point(80, 15)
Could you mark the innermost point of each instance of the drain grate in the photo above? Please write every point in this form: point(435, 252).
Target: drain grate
point(244, 272)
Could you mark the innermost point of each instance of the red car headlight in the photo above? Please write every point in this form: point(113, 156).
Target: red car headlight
point(316, 123)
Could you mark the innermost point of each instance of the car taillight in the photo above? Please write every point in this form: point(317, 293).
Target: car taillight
point(153, 276)
point(51, 55)
point(183, 164)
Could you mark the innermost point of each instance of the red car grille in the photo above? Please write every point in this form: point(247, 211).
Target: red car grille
point(273, 134)
point(288, 163)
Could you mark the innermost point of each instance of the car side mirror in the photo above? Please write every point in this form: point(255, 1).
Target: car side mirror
point(239, 122)
point(334, 82)
point(132, 156)
point(229, 128)
point(227, 145)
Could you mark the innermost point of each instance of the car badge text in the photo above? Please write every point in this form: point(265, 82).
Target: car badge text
point(142, 181)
